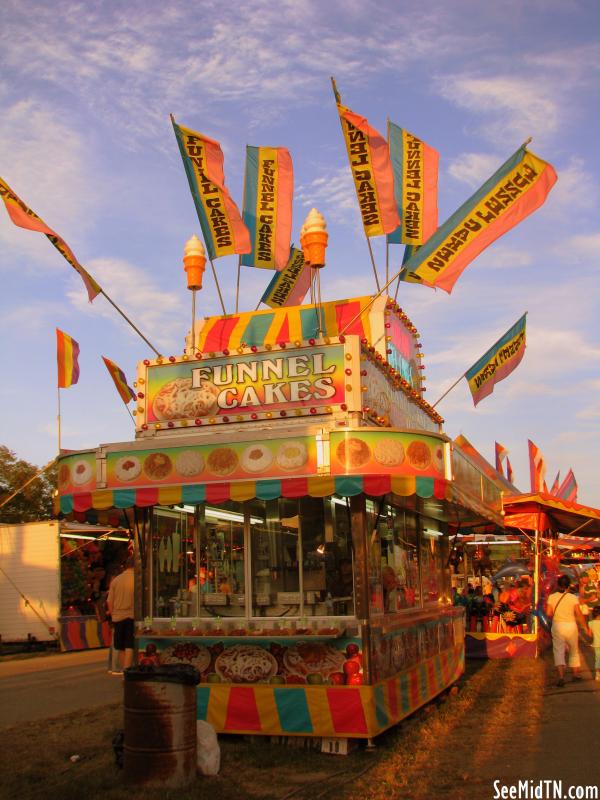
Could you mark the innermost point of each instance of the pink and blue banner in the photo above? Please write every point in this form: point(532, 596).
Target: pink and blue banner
point(516, 190)
point(268, 195)
point(498, 362)
point(415, 168)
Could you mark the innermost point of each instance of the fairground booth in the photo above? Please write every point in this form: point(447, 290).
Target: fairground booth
point(542, 532)
point(291, 494)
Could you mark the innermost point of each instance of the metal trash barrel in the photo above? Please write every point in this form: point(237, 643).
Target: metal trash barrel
point(160, 725)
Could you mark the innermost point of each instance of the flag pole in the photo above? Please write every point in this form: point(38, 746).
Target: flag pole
point(387, 244)
point(193, 321)
point(214, 272)
point(129, 322)
point(338, 101)
point(58, 415)
point(237, 288)
point(239, 268)
point(456, 382)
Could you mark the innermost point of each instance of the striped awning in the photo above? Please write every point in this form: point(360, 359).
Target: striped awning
point(301, 323)
point(342, 485)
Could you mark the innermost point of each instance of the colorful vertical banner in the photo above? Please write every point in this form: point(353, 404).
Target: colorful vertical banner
point(498, 362)
point(24, 217)
point(371, 169)
point(67, 353)
point(289, 287)
point(516, 190)
point(501, 453)
point(537, 467)
point(220, 219)
point(509, 472)
point(268, 196)
point(556, 484)
point(125, 391)
point(415, 169)
point(568, 488)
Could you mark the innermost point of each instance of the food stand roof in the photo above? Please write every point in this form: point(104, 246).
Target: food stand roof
point(545, 512)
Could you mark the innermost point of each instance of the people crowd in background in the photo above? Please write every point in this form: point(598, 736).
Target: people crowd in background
point(496, 608)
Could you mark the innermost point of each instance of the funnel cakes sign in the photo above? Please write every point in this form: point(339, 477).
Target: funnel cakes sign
point(241, 387)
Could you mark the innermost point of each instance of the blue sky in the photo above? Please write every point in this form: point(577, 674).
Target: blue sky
point(85, 139)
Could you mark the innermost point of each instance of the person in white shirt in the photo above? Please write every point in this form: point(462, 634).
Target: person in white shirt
point(564, 611)
point(120, 608)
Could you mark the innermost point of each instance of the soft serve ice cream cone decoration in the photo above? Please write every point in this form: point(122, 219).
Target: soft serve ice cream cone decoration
point(194, 260)
point(313, 238)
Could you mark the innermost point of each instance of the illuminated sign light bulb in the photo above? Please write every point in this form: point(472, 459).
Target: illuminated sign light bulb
point(184, 357)
point(199, 356)
point(283, 413)
point(344, 407)
point(268, 415)
point(157, 426)
point(172, 359)
point(197, 422)
point(298, 412)
point(147, 362)
point(348, 356)
point(159, 360)
point(212, 420)
point(170, 424)
point(134, 412)
point(313, 410)
point(348, 387)
point(144, 427)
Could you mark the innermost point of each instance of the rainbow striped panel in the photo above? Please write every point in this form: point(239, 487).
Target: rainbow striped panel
point(269, 489)
point(329, 711)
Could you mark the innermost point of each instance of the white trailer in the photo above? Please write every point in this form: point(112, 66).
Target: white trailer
point(29, 581)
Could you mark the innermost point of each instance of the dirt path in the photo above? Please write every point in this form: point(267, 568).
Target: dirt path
point(506, 723)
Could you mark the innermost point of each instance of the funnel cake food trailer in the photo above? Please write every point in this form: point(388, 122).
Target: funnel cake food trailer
point(291, 493)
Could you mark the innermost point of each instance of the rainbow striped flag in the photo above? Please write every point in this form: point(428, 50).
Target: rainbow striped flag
point(24, 217)
point(220, 219)
point(67, 352)
point(537, 467)
point(498, 362)
point(371, 168)
point(501, 453)
point(268, 195)
point(415, 168)
point(509, 472)
point(289, 287)
point(125, 391)
point(517, 189)
point(568, 488)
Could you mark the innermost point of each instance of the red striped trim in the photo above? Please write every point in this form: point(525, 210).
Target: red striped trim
point(219, 335)
point(217, 492)
point(242, 711)
point(294, 487)
point(377, 484)
point(345, 312)
point(284, 331)
point(347, 713)
point(146, 497)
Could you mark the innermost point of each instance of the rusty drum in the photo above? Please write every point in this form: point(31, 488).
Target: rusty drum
point(160, 725)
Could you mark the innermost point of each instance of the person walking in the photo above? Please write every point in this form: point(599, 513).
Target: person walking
point(594, 626)
point(120, 608)
point(564, 611)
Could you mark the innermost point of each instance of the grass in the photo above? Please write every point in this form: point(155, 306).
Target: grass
point(449, 749)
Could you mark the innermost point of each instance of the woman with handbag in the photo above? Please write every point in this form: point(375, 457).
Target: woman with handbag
point(564, 611)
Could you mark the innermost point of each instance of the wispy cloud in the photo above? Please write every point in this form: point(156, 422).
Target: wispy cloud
point(473, 168)
point(151, 308)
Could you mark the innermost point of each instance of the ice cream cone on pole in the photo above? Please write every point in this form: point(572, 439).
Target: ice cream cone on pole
point(314, 240)
point(194, 260)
